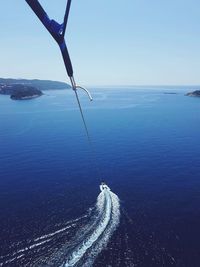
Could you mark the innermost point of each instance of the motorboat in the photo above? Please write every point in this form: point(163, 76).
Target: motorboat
point(103, 186)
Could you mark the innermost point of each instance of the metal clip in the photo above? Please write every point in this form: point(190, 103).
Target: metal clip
point(75, 87)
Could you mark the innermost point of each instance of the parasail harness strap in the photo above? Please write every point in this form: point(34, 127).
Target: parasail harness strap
point(57, 31)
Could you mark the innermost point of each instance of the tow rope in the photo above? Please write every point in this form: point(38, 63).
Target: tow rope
point(57, 31)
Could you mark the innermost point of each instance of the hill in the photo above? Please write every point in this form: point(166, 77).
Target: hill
point(39, 84)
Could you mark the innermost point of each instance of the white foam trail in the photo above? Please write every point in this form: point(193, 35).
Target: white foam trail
point(54, 233)
point(31, 247)
point(23, 250)
point(70, 224)
point(96, 234)
point(11, 260)
point(107, 221)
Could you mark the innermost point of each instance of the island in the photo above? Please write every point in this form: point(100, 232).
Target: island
point(21, 89)
point(21, 92)
point(170, 93)
point(194, 93)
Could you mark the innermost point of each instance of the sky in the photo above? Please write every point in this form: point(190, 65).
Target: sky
point(111, 42)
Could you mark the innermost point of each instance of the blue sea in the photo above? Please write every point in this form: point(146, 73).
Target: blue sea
point(146, 143)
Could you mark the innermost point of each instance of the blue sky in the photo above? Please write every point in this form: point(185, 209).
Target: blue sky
point(130, 42)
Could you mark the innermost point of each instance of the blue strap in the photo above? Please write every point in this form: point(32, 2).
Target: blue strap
point(56, 30)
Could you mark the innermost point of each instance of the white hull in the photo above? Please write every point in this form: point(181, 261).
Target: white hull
point(104, 187)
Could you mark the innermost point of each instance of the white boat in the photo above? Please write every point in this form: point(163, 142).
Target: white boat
point(104, 186)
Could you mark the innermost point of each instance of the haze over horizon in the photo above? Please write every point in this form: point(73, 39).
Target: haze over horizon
point(110, 43)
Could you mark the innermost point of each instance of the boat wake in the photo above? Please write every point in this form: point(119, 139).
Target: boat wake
point(98, 232)
point(76, 243)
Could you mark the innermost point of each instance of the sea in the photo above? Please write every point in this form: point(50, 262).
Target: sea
point(144, 145)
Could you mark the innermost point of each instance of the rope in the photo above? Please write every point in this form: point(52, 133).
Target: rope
point(83, 118)
point(58, 32)
point(88, 135)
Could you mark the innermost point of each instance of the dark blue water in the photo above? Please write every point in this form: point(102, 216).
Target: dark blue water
point(148, 149)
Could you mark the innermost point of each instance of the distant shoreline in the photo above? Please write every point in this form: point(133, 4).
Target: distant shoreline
point(39, 84)
point(22, 89)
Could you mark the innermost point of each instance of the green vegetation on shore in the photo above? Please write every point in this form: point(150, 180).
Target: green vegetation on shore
point(39, 84)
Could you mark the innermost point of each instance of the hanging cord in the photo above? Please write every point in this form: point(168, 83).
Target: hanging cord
point(57, 31)
point(74, 87)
